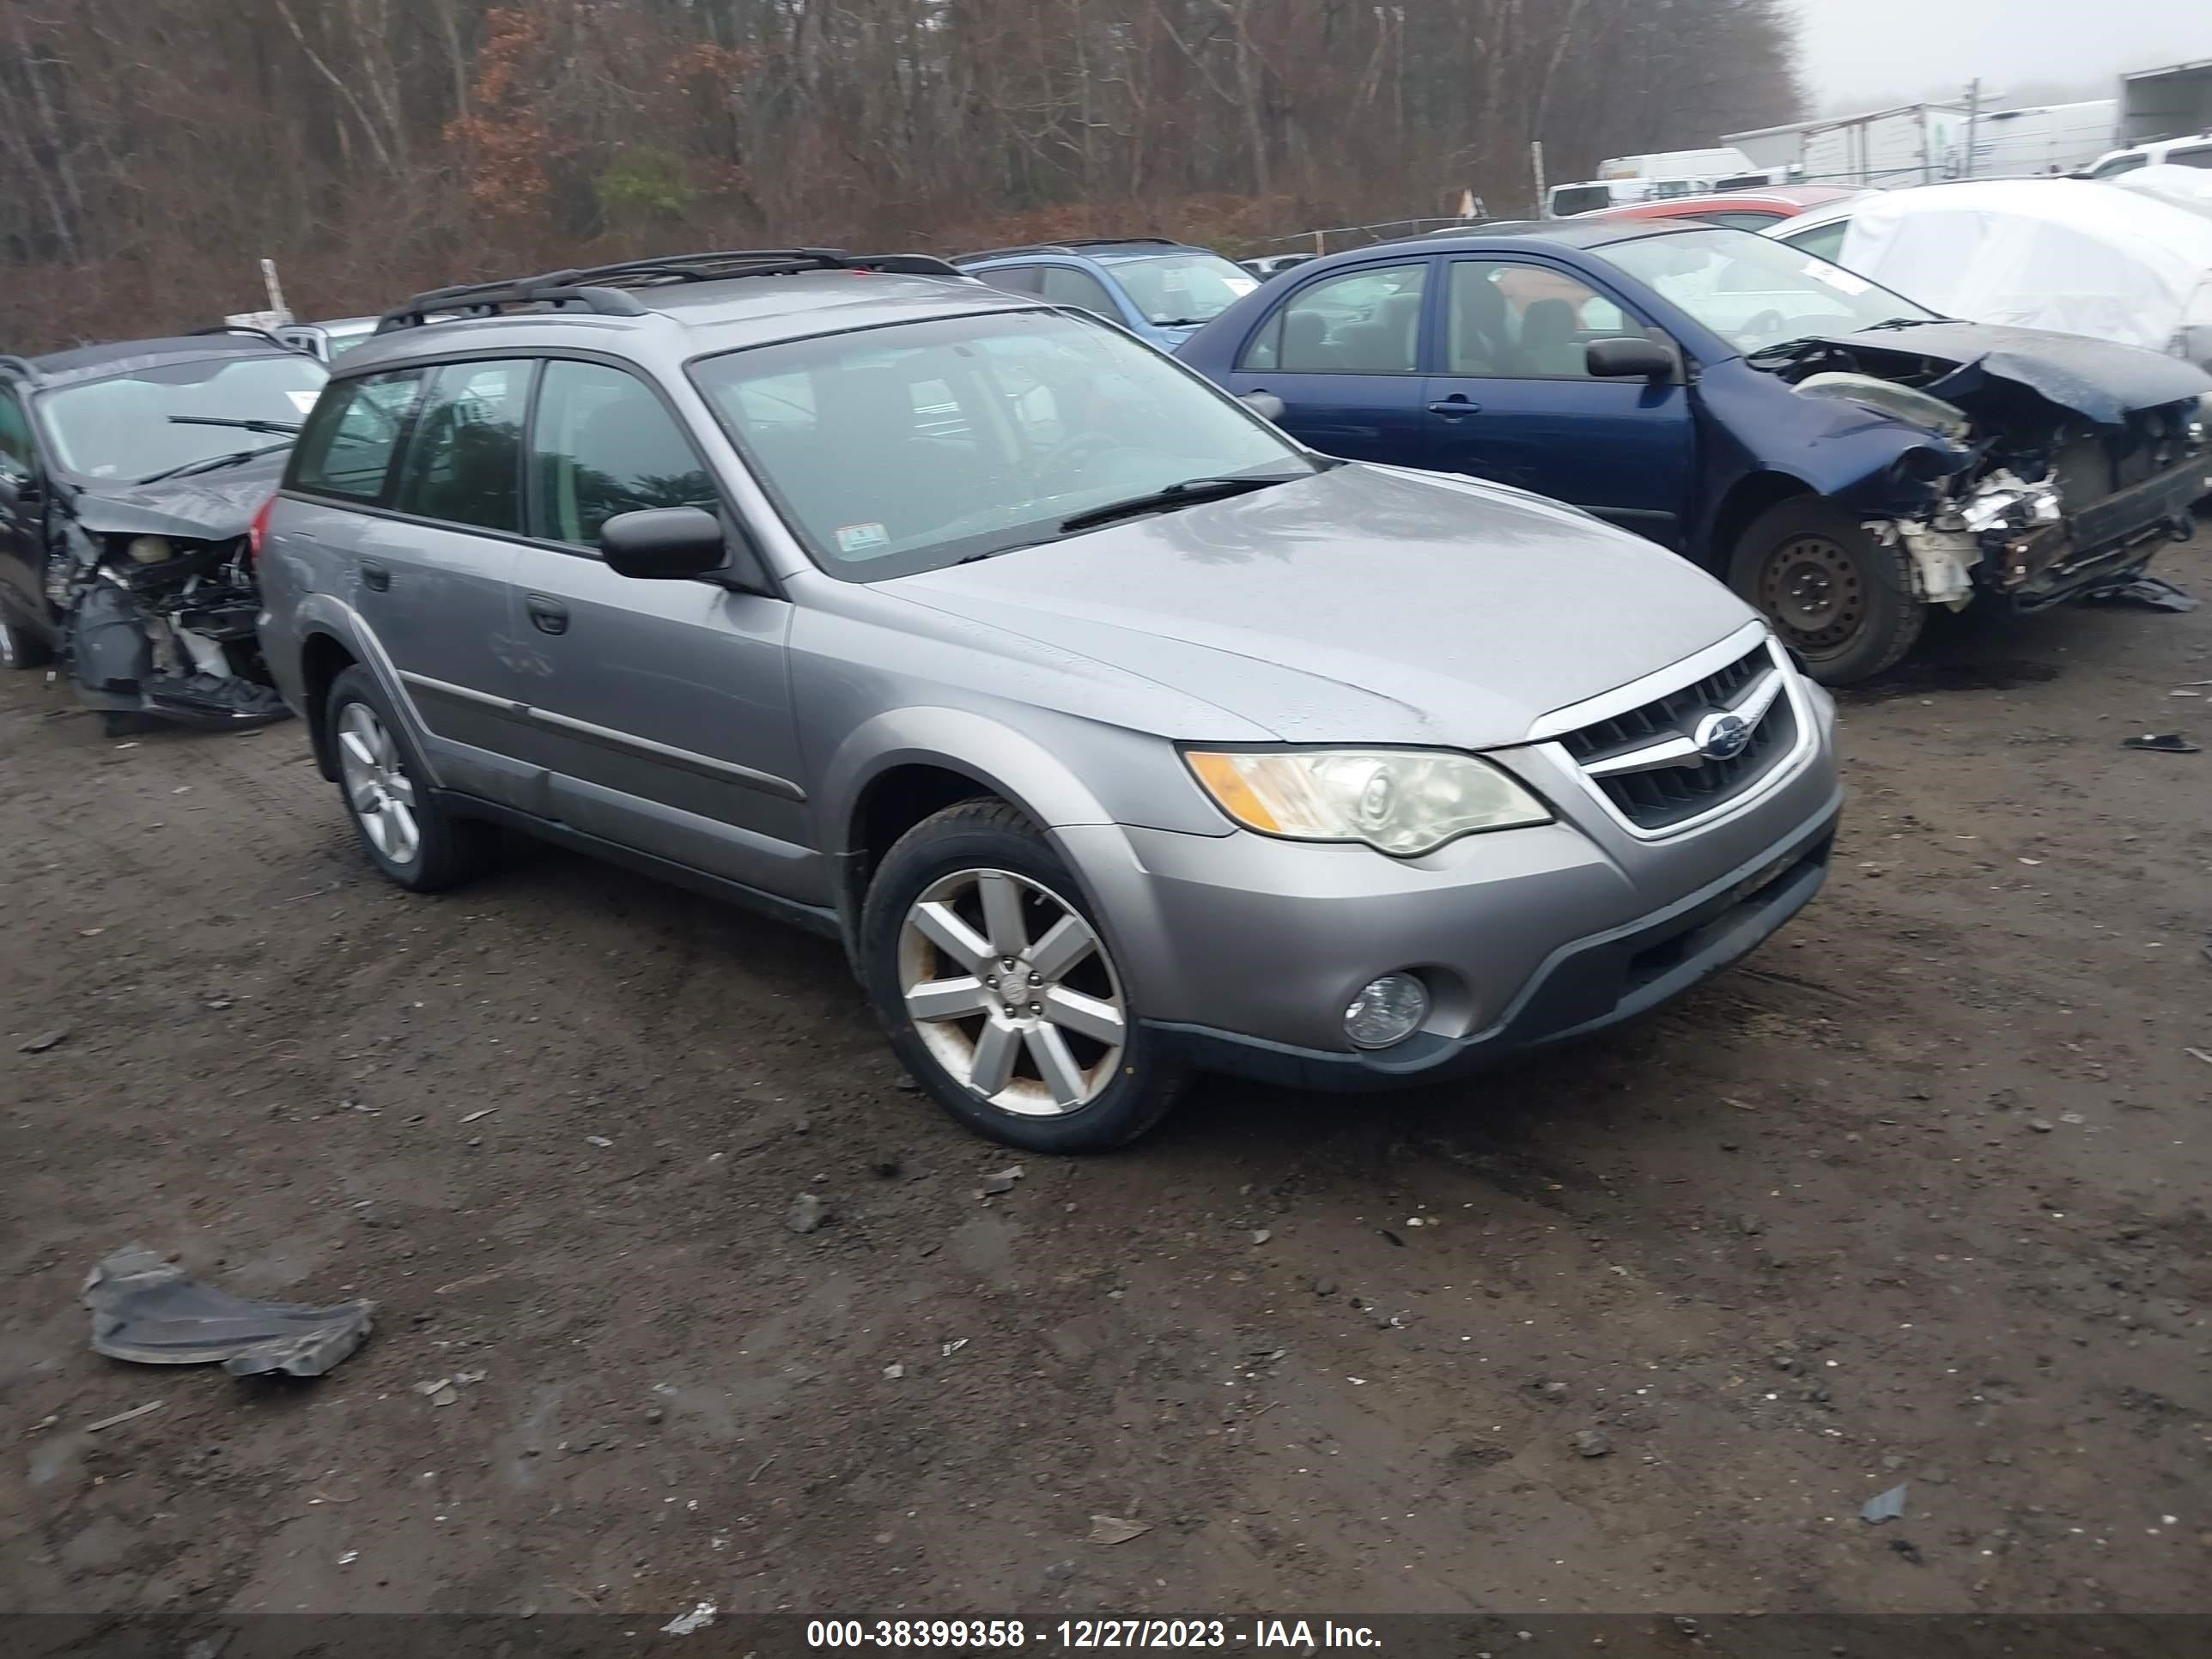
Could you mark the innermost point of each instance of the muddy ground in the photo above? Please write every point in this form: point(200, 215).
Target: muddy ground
point(1916, 1195)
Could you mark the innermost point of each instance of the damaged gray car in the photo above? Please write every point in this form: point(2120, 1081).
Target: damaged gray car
point(130, 475)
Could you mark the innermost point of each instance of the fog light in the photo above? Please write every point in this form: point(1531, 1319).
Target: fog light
point(1389, 1011)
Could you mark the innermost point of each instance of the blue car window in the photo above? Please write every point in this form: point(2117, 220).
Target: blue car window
point(1015, 279)
point(1365, 322)
point(1525, 321)
point(1064, 285)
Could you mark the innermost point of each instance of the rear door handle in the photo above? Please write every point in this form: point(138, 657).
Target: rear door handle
point(1450, 407)
point(375, 575)
point(546, 615)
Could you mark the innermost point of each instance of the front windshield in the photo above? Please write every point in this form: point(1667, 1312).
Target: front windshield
point(909, 448)
point(1180, 289)
point(122, 426)
point(1753, 291)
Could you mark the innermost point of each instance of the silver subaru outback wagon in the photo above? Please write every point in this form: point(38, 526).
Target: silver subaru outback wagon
point(1116, 735)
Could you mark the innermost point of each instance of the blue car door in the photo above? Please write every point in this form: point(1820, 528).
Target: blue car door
point(1343, 351)
point(1511, 399)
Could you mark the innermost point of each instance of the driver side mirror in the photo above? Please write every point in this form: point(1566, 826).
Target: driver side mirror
point(1265, 404)
point(678, 544)
point(1629, 359)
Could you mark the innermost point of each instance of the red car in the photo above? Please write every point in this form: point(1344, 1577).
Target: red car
point(1739, 209)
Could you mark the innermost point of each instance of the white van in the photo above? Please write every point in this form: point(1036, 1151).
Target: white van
point(2194, 152)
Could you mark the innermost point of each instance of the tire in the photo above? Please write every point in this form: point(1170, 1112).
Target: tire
point(20, 649)
point(1845, 604)
point(415, 843)
point(959, 896)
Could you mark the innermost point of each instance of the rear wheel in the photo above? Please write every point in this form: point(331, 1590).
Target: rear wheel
point(999, 991)
point(413, 841)
point(1838, 598)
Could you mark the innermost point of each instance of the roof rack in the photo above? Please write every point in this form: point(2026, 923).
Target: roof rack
point(238, 328)
point(1068, 246)
point(600, 288)
point(21, 367)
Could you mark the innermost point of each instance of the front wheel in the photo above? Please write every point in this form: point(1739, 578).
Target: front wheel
point(999, 991)
point(1843, 602)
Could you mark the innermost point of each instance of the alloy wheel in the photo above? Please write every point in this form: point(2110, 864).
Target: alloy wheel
point(1012, 991)
point(377, 785)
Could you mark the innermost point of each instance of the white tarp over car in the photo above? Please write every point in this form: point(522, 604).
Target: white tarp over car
point(2072, 255)
point(2188, 187)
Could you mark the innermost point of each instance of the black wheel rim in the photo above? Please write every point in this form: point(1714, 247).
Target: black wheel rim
point(1814, 591)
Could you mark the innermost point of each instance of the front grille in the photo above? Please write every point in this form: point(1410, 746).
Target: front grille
point(1668, 795)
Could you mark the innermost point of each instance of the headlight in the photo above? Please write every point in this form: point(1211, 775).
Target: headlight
point(148, 550)
point(1400, 801)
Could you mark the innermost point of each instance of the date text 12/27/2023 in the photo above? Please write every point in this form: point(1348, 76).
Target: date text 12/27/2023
point(1088, 1633)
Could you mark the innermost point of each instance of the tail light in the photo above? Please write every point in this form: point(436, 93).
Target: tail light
point(257, 531)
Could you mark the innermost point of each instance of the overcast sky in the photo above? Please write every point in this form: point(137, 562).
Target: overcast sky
point(1857, 53)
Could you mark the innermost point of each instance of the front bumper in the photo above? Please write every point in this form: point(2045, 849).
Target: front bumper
point(1583, 987)
point(1243, 951)
point(2096, 542)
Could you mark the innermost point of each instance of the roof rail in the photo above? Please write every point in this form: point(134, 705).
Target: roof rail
point(241, 328)
point(21, 367)
point(1069, 245)
point(600, 288)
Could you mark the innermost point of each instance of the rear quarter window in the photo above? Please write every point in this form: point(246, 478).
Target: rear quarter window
point(351, 439)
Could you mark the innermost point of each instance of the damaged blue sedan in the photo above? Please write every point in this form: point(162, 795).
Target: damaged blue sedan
point(1842, 457)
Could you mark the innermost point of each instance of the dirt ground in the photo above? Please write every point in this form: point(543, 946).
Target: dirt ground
point(1916, 1195)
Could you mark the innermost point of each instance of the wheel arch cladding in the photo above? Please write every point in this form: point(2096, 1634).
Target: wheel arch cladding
point(322, 658)
point(1750, 496)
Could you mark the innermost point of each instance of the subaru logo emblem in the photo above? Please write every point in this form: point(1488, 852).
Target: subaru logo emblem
point(1722, 736)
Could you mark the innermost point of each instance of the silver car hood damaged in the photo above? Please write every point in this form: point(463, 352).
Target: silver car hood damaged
point(1363, 605)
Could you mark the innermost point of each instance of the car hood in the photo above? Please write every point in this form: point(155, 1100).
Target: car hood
point(210, 506)
point(1365, 605)
point(2097, 379)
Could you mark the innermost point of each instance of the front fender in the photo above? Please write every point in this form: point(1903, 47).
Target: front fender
point(1009, 764)
point(1754, 423)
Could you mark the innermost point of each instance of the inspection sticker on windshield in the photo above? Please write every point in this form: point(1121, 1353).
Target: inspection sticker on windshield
point(302, 401)
point(1841, 280)
point(862, 538)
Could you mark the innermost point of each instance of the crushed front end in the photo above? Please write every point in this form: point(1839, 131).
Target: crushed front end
point(2048, 473)
point(161, 626)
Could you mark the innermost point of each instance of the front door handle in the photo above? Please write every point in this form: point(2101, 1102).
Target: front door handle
point(375, 576)
point(547, 616)
point(1451, 408)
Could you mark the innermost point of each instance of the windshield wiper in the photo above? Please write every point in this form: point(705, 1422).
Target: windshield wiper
point(1188, 493)
point(288, 427)
point(1903, 322)
point(213, 463)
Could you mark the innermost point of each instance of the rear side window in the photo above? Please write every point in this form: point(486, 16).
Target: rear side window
point(603, 443)
point(353, 435)
point(1823, 241)
point(2118, 164)
point(1367, 322)
point(464, 463)
point(1015, 279)
point(2196, 155)
point(1064, 285)
point(1738, 219)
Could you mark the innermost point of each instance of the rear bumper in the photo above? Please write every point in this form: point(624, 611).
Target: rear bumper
point(1583, 986)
